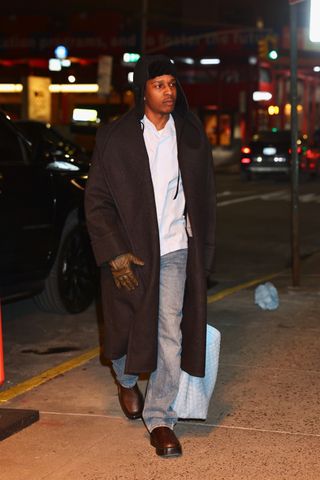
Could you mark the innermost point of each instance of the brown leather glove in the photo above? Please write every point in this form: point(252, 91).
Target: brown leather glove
point(121, 270)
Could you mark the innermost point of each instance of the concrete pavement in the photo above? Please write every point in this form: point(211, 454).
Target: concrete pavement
point(263, 421)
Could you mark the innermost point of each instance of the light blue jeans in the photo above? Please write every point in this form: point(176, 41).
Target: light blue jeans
point(164, 381)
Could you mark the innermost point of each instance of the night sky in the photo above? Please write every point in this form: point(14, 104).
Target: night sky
point(207, 14)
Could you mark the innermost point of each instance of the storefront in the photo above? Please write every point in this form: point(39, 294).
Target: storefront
point(224, 93)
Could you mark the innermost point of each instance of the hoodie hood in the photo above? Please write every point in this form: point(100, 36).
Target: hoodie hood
point(150, 66)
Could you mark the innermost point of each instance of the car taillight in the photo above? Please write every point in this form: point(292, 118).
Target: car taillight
point(246, 150)
point(245, 160)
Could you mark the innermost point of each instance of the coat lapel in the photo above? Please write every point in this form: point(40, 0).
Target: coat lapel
point(129, 167)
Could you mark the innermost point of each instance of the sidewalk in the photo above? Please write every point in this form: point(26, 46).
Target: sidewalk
point(263, 422)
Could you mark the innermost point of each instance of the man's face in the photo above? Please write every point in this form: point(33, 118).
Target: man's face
point(160, 95)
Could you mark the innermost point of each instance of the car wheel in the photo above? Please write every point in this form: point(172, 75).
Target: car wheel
point(71, 284)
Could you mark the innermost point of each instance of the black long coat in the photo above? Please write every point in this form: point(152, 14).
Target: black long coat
point(121, 217)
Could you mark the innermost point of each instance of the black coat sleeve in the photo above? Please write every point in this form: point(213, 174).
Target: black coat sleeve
point(103, 222)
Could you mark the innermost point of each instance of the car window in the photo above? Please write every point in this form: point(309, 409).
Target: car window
point(11, 149)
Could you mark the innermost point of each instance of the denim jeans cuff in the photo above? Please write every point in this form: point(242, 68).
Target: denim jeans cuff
point(152, 427)
point(131, 385)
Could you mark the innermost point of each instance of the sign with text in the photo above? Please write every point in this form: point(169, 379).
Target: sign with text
point(37, 98)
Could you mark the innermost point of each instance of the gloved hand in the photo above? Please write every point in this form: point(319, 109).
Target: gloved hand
point(121, 270)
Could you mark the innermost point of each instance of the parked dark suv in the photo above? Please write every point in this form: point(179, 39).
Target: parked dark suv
point(44, 246)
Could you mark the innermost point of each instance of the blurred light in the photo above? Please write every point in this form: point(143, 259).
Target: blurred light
point(246, 150)
point(84, 115)
point(273, 110)
point(287, 108)
point(11, 87)
point(252, 60)
point(130, 77)
point(61, 52)
point(316, 69)
point(210, 61)
point(269, 150)
point(79, 87)
point(211, 107)
point(260, 23)
point(261, 96)
point(310, 154)
point(66, 62)
point(187, 60)
point(130, 57)
point(299, 149)
point(54, 64)
point(314, 30)
point(245, 160)
point(273, 54)
point(71, 78)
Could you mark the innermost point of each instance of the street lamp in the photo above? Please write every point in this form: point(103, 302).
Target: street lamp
point(314, 30)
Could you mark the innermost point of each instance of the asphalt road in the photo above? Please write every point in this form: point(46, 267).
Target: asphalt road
point(254, 226)
point(253, 239)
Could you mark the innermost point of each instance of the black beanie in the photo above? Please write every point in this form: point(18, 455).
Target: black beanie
point(161, 67)
point(151, 66)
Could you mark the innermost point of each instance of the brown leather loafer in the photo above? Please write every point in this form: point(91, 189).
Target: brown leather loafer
point(165, 442)
point(131, 401)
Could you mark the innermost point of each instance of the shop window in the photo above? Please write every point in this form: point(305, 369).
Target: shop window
point(211, 128)
point(225, 130)
point(218, 128)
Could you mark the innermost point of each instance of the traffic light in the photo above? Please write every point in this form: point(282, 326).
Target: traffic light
point(262, 48)
point(267, 48)
point(272, 47)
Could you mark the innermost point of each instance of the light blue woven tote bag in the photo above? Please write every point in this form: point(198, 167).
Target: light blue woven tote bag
point(195, 393)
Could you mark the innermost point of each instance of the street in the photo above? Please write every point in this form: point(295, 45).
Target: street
point(254, 226)
point(253, 239)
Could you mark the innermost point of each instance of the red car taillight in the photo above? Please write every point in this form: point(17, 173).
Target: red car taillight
point(245, 160)
point(246, 150)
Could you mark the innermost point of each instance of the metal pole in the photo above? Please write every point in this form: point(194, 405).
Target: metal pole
point(144, 21)
point(295, 240)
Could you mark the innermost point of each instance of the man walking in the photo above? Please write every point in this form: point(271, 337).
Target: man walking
point(150, 208)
